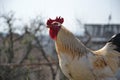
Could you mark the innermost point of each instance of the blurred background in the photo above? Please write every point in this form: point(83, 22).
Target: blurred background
point(26, 50)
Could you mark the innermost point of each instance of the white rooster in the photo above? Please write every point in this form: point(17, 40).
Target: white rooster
point(78, 62)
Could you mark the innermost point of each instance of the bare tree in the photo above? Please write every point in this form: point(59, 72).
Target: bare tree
point(16, 51)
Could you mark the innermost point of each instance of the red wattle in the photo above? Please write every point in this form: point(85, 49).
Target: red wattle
point(53, 32)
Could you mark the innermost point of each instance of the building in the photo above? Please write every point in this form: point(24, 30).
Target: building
point(101, 33)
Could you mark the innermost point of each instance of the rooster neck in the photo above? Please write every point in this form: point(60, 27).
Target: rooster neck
point(67, 43)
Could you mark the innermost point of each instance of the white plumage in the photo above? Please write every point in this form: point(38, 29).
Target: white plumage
point(78, 62)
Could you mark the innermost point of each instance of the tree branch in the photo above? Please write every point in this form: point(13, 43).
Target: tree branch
point(28, 64)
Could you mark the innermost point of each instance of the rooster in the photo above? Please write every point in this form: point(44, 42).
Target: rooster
point(77, 62)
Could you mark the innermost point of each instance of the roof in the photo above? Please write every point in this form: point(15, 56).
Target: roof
point(102, 24)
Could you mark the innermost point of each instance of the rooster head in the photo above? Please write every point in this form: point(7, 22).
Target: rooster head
point(54, 25)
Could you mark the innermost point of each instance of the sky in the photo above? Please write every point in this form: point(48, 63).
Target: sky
point(87, 11)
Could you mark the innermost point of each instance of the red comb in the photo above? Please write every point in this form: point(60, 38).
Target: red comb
point(58, 19)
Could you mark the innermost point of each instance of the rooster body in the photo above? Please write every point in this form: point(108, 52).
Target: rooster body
point(78, 62)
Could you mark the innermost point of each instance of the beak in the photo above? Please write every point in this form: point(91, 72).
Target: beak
point(47, 26)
